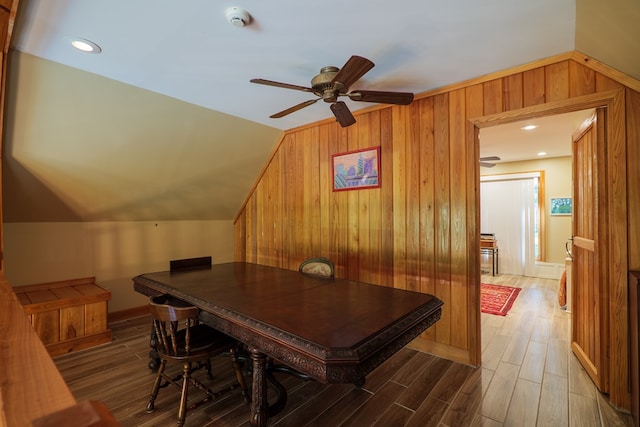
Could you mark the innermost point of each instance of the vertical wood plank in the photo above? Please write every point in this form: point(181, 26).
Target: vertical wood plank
point(582, 80)
point(618, 261)
point(533, 87)
point(375, 211)
point(413, 198)
point(427, 200)
point(353, 215)
point(386, 195)
point(512, 92)
point(458, 183)
point(325, 186)
point(474, 108)
point(364, 224)
point(557, 81)
point(492, 96)
point(399, 197)
point(443, 216)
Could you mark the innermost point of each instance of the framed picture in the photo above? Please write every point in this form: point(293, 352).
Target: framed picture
point(561, 206)
point(355, 170)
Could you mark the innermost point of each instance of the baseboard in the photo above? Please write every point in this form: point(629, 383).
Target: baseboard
point(129, 313)
point(548, 270)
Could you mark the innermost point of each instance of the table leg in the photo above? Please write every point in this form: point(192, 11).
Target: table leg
point(259, 409)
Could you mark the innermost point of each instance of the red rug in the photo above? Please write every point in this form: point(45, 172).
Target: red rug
point(497, 299)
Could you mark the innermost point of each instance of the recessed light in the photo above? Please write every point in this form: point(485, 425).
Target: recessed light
point(542, 153)
point(529, 127)
point(86, 45)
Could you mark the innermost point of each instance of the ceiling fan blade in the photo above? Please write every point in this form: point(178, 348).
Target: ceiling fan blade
point(399, 98)
point(490, 158)
point(351, 71)
point(487, 165)
point(283, 85)
point(294, 108)
point(342, 113)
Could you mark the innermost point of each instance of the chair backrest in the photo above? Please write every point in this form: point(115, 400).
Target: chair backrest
point(172, 323)
point(320, 266)
point(190, 263)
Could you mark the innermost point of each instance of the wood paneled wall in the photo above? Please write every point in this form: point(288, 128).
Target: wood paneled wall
point(419, 230)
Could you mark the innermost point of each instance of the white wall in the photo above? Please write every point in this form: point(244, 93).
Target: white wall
point(113, 252)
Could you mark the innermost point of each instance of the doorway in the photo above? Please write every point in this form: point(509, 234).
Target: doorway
point(516, 191)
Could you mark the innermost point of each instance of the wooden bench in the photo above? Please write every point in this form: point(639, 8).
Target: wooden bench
point(68, 315)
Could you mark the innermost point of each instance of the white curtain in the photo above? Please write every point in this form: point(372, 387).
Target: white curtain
point(507, 209)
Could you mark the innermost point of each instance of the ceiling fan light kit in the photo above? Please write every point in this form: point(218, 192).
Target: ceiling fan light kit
point(333, 82)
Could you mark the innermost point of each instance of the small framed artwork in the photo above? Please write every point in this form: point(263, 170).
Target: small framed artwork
point(561, 206)
point(355, 170)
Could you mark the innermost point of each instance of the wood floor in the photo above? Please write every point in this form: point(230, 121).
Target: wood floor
point(528, 377)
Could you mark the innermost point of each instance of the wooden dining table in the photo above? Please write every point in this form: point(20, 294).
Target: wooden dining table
point(330, 329)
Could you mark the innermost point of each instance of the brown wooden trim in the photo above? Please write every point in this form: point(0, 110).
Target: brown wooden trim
point(128, 313)
point(602, 68)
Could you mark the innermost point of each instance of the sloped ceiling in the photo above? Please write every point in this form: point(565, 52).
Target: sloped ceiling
point(164, 124)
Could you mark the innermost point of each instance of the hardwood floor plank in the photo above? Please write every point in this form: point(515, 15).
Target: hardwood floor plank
point(315, 406)
point(372, 409)
point(451, 382)
point(610, 417)
point(493, 353)
point(466, 404)
point(396, 415)
point(407, 373)
point(496, 401)
point(557, 358)
point(523, 409)
point(428, 414)
point(515, 350)
point(424, 383)
point(541, 330)
point(579, 381)
point(533, 364)
point(376, 379)
point(342, 409)
point(554, 402)
point(583, 411)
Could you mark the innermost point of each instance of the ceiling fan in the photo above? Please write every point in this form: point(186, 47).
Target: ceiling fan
point(485, 162)
point(333, 82)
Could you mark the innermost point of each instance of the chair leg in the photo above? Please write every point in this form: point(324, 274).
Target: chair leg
point(208, 367)
point(186, 376)
point(236, 367)
point(156, 387)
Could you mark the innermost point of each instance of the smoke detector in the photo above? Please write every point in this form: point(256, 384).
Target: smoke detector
point(237, 17)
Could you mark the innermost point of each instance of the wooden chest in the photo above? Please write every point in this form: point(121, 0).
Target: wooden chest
point(67, 315)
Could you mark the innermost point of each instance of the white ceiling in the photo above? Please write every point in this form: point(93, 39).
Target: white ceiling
point(552, 136)
point(189, 51)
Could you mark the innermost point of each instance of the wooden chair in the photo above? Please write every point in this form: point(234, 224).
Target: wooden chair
point(181, 339)
point(320, 266)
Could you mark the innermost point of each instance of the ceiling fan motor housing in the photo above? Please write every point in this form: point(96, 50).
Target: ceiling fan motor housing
point(323, 85)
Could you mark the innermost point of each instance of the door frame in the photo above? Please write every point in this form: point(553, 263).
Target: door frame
point(617, 227)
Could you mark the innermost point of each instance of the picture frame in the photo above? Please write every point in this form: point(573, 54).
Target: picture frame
point(561, 206)
point(356, 170)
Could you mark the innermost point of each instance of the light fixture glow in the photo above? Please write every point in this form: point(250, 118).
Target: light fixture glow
point(542, 153)
point(529, 127)
point(86, 46)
